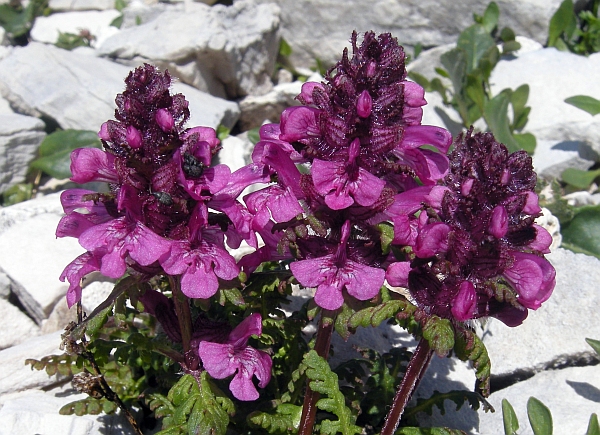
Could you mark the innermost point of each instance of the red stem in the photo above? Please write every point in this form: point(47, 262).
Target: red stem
point(309, 408)
point(414, 372)
point(184, 316)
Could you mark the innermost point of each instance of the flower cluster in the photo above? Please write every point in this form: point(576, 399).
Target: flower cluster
point(167, 210)
point(359, 134)
point(478, 252)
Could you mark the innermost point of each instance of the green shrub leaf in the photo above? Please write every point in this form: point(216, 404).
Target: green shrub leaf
point(540, 417)
point(55, 151)
point(582, 233)
point(595, 344)
point(511, 423)
point(593, 426)
point(583, 102)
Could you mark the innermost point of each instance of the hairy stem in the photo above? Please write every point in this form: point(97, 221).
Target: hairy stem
point(184, 316)
point(414, 372)
point(309, 408)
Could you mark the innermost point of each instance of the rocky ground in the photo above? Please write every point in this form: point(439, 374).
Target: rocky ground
point(224, 59)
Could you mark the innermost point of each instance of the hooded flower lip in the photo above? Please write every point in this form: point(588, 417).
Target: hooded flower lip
point(84, 264)
point(221, 360)
point(92, 164)
point(331, 273)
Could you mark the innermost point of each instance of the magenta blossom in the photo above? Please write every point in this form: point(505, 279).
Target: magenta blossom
point(334, 272)
point(221, 360)
point(477, 251)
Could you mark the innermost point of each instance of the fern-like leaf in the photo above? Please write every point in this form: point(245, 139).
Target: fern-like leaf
point(469, 347)
point(285, 420)
point(324, 381)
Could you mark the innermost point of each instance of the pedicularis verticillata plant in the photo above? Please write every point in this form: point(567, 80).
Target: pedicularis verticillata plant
point(360, 197)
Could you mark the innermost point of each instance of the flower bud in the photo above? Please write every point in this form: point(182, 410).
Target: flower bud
point(364, 104)
point(499, 222)
point(133, 137)
point(164, 120)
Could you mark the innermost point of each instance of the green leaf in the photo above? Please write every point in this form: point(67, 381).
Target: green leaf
point(373, 316)
point(507, 34)
point(563, 19)
point(490, 17)
point(17, 193)
point(540, 417)
point(475, 41)
point(455, 63)
point(325, 382)
point(285, 49)
point(253, 135)
point(386, 235)
point(595, 344)
point(419, 79)
point(510, 46)
point(439, 333)
point(511, 423)
point(117, 22)
point(583, 102)
point(496, 117)
point(222, 132)
point(593, 426)
point(469, 347)
point(120, 5)
point(582, 233)
point(285, 420)
point(526, 141)
point(55, 151)
point(579, 178)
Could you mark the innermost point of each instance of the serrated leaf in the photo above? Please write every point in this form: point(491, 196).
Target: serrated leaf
point(593, 426)
point(582, 233)
point(511, 423)
point(373, 316)
point(475, 41)
point(469, 347)
point(439, 333)
point(341, 321)
point(595, 344)
point(285, 420)
point(540, 417)
point(437, 399)
point(584, 102)
point(55, 151)
point(324, 381)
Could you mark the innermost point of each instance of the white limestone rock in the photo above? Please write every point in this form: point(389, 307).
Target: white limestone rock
point(81, 5)
point(78, 91)
point(235, 152)
point(320, 29)
point(554, 335)
point(20, 137)
point(571, 394)
point(15, 324)
point(32, 256)
point(552, 77)
point(36, 412)
point(47, 29)
point(16, 376)
point(228, 51)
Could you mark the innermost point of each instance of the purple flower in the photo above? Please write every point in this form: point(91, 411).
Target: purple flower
point(75, 271)
point(331, 273)
point(92, 164)
point(477, 252)
point(122, 238)
point(221, 360)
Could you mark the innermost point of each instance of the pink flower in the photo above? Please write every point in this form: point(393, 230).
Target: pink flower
point(74, 273)
point(92, 164)
point(221, 360)
point(332, 273)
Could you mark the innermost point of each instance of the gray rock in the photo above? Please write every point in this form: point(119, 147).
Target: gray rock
point(235, 152)
point(590, 145)
point(554, 335)
point(228, 51)
point(47, 29)
point(4, 286)
point(32, 256)
point(16, 376)
point(36, 412)
point(571, 394)
point(20, 137)
point(78, 91)
point(320, 29)
point(14, 320)
point(551, 157)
